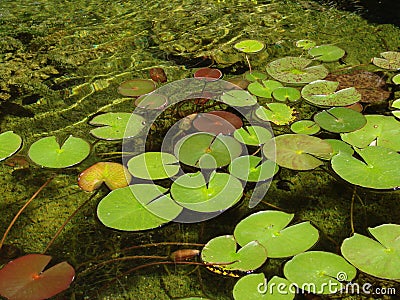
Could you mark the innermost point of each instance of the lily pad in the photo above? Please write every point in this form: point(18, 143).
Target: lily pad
point(286, 93)
point(319, 272)
point(305, 44)
point(340, 146)
point(269, 229)
point(380, 257)
point(278, 113)
point(305, 127)
point(323, 93)
point(297, 151)
point(340, 119)
point(264, 88)
point(137, 207)
point(249, 46)
point(153, 165)
point(208, 74)
point(46, 152)
point(9, 144)
point(396, 79)
point(327, 53)
point(255, 76)
point(238, 98)
point(136, 87)
point(295, 70)
point(113, 126)
point(390, 60)
point(222, 251)
point(379, 168)
point(380, 130)
point(152, 101)
point(252, 135)
point(192, 191)
point(217, 122)
point(196, 149)
point(396, 104)
point(256, 287)
point(252, 168)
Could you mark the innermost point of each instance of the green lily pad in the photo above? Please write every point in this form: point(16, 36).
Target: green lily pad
point(295, 70)
point(340, 146)
point(269, 229)
point(153, 165)
point(256, 287)
point(319, 272)
point(9, 144)
point(380, 257)
point(238, 98)
point(278, 113)
point(249, 46)
point(379, 169)
point(323, 93)
point(396, 104)
point(390, 60)
point(264, 88)
point(222, 251)
point(327, 53)
point(251, 168)
point(219, 193)
point(380, 130)
point(255, 76)
point(396, 79)
point(305, 127)
point(252, 135)
point(297, 151)
point(137, 207)
point(46, 152)
point(136, 87)
point(286, 93)
point(305, 44)
point(113, 126)
point(152, 101)
point(207, 150)
point(340, 119)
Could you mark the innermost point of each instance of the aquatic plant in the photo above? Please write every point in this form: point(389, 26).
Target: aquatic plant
point(158, 75)
point(238, 98)
point(396, 105)
point(249, 46)
point(264, 88)
point(340, 119)
point(286, 93)
point(152, 101)
point(396, 79)
point(136, 87)
point(326, 53)
point(305, 44)
point(217, 122)
point(252, 135)
point(9, 144)
point(208, 74)
point(305, 127)
point(252, 168)
point(277, 113)
point(389, 60)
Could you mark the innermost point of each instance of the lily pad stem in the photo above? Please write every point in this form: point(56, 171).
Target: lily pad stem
point(248, 62)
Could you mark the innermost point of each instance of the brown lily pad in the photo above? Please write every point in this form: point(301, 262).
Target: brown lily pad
point(217, 122)
point(371, 86)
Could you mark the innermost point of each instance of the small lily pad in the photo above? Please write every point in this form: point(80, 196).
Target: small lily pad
point(379, 168)
point(114, 126)
point(327, 53)
point(390, 60)
point(319, 272)
point(264, 88)
point(238, 98)
point(252, 168)
point(286, 93)
point(323, 93)
point(222, 251)
point(278, 113)
point(46, 152)
point(396, 104)
point(380, 257)
point(340, 146)
point(252, 135)
point(305, 127)
point(153, 165)
point(270, 229)
point(255, 76)
point(9, 144)
point(305, 44)
point(340, 119)
point(396, 79)
point(152, 101)
point(297, 151)
point(136, 87)
point(295, 70)
point(249, 46)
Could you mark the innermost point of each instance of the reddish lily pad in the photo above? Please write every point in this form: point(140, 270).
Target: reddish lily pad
point(24, 279)
point(208, 74)
point(217, 122)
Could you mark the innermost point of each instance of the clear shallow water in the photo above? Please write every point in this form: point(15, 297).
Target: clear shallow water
point(61, 63)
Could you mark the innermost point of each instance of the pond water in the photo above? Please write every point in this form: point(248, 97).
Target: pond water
point(62, 63)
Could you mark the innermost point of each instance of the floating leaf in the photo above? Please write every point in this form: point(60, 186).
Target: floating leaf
point(252, 135)
point(380, 130)
point(378, 258)
point(319, 272)
point(390, 60)
point(278, 113)
point(340, 119)
point(153, 165)
point(114, 126)
point(294, 70)
point(137, 207)
point(286, 93)
point(323, 93)
point(379, 169)
point(305, 127)
point(269, 229)
point(24, 278)
point(252, 168)
point(253, 286)
point(47, 152)
point(238, 98)
point(136, 87)
point(114, 175)
point(327, 53)
point(9, 144)
point(152, 101)
point(249, 46)
point(297, 151)
point(217, 122)
point(338, 146)
point(263, 88)
point(305, 44)
point(219, 193)
point(255, 76)
point(208, 74)
point(158, 75)
point(222, 251)
point(396, 104)
point(396, 79)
